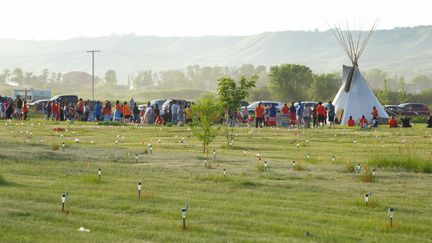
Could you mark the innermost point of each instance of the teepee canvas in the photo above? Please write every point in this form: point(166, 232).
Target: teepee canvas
point(355, 97)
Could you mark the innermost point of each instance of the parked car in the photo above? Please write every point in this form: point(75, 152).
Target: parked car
point(421, 109)
point(251, 107)
point(244, 103)
point(395, 110)
point(309, 103)
point(70, 99)
point(158, 102)
point(37, 106)
point(166, 107)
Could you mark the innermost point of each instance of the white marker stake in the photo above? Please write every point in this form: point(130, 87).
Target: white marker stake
point(139, 190)
point(63, 200)
point(373, 174)
point(183, 211)
point(99, 173)
point(63, 146)
point(136, 158)
point(265, 165)
point(390, 212)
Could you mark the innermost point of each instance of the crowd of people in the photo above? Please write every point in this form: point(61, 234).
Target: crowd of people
point(13, 109)
point(294, 116)
point(312, 116)
point(119, 112)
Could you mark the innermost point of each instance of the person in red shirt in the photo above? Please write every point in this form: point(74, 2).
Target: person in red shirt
point(126, 112)
point(259, 115)
point(363, 122)
point(80, 109)
point(24, 111)
point(351, 122)
point(285, 109)
point(392, 122)
point(321, 113)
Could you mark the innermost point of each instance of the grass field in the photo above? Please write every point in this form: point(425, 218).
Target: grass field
point(321, 200)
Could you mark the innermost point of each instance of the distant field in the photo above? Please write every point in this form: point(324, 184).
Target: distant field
point(320, 201)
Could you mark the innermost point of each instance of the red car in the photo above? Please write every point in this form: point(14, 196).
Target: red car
point(421, 109)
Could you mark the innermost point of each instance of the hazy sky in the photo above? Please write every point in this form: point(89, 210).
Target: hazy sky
point(61, 19)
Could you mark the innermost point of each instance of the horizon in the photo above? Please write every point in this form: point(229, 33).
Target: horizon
point(46, 20)
point(202, 36)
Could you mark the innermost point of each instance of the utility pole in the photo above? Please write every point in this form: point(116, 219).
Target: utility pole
point(93, 52)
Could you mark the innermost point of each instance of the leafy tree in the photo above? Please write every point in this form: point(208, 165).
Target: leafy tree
point(144, 79)
point(111, 78)
point(173, 78)
point(18, 76)
point(205, 112)
point(383, 94)
point(5, 76)
point(422, 82)
point(290, 81)
point(230, 94)
point(324, 86)
point(259, 93)
point(402, 94)
point(375, 77)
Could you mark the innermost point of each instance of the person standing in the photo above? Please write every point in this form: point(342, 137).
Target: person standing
point(174, 113)
point(136, 113)
point(180, 114)
point(429, 122)
point(24, 110)
point(117, 111)
point(292, 114)
point(306, 115)
point(331, 113)
point(19, 105)
point(126, 112)
point(259, 115)
point(80, 109)
point(272, 115)
point(107, 111)
point(321, 112)
point(315, 116)
point(299, 113)
point(188, 115)
point(97, 111)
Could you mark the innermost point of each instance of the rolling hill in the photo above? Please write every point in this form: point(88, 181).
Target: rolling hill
point(406, 51)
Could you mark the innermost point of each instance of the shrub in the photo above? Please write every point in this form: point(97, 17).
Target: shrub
point(349, 168)
point(55, 147)
point(367, 177)
point(260, 166)
point(405, 162)
point(2, 180)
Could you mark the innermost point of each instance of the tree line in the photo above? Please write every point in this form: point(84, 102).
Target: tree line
point(285, 82)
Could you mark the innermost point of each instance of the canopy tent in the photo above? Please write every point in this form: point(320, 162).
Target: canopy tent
point(355, 97)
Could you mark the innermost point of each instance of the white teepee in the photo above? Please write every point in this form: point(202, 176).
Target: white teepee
point(355, 97)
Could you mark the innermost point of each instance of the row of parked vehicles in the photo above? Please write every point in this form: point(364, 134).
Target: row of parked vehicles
point(405, 109)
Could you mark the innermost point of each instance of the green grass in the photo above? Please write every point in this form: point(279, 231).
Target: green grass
point(321, 197)
point(403, 162)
